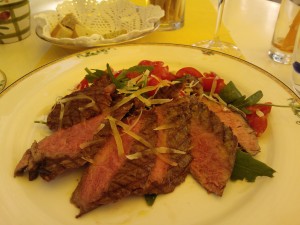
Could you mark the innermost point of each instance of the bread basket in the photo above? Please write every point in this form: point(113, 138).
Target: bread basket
point(111, 22)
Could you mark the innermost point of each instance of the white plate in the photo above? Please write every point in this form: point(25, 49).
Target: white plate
point(268, 201)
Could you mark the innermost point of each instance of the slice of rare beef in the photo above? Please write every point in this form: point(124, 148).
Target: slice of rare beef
point(111, 176)
point(245, 134)
point(213, 149)
point(63, 149)
point(81, 105)
point(171, 169)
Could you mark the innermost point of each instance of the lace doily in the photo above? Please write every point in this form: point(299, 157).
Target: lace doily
point(102, 17)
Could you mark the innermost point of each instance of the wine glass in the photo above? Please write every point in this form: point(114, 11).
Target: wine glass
point(216, 43)
point(2, 80)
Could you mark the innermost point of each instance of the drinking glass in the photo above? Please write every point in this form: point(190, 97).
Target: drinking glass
point(285, 31)
point(216, 43)
point(2, 80)
point(174, 14)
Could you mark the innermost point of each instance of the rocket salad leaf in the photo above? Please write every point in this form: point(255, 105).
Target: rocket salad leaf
point(139, 69)
point(92, 76)
point(248, 168)
point(150, 199)
point(231, 95)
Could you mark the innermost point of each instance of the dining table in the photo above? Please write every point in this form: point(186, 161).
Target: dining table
point(248, 24)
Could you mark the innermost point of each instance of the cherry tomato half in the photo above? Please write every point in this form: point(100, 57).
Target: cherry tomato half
point(159, 69)
point(83, 84)
point(152, 82)
point(207, 83)
point(258, 123)
point(188, 71)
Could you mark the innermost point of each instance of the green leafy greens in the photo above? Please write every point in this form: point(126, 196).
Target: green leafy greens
point(150, 199)
point(231, 95)
point(121, 80)
point(248, 168)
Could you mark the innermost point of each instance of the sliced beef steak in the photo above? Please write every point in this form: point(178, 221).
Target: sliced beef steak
point(62, 150)
point(170, 170)
point(111, 176)
point(81, 105)
point(213, 149)
point(245, 134)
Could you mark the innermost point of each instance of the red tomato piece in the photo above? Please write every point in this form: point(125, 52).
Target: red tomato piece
point(151, 63)
point(207, 83)
point(83, 84)
point(210, 74)
point(266, 108)
point(159, 69)
point(259, 123)
point(116, 74)
point(188, 71)
point(152, 82)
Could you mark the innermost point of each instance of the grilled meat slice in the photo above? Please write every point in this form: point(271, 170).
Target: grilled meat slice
point(111, 176)
point(170, 170)
point(245, 134)
point(171, 92)
point(190, 84)
point(213, 149)
point(82, 105)
point(62, 150)
point(47, 156)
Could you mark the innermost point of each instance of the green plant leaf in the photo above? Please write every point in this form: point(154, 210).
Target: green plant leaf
point(150, 199)
point(248, 168)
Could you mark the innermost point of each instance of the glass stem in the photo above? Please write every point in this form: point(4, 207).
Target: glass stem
point(221, 4)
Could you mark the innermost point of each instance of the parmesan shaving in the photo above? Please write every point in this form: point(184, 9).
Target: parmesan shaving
point(132, 96)
point(146, 101)
point(121, 124)
point(116, 135)
point(160, 101)
point(88, 159)
point(259, 113)
point(166, 160)
point(136, 121)
point(188, 90)
point(89, 143)
point(138, 138)
point(151, 149)
point(101, 126)
point(92, 104)
point(213, 86)
point(149, 102)
point(136, 155)
point(220, 99)
point(158, 152)
point(168, 150)
point(189, 87)
point(165, 127)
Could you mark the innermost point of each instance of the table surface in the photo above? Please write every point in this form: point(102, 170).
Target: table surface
point(248, 23)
